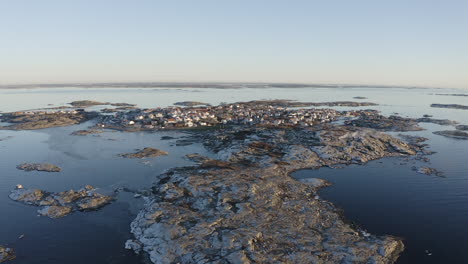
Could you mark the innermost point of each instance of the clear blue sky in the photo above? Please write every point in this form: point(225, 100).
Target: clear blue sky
point(402, 42)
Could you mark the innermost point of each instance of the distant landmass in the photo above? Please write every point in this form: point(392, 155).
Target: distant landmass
point(216, 85)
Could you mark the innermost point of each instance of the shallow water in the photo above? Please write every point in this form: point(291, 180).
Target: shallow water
point(384, 197)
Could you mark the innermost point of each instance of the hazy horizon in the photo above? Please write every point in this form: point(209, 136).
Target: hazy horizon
point(398, 43)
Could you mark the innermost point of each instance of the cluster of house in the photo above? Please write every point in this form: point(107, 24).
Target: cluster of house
point(229, 114)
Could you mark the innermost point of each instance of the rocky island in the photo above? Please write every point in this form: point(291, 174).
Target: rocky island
point(145, 153)
point(452, 106)
point(38, 167)
point(57, 205)
point(453, 134)
point(30, 120)
point(244, 206)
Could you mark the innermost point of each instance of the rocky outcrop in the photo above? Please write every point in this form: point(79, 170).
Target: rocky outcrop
point(190, 103)
point(453, 94)
point(442, 122)
point(41, 120)
point(57, 205)
point(380, 122)
point(452, 134)
point(38, 167)
point(451, 106)
point(357, 145)
point(145, 153)
point(246, 208)
point(88, 103)
point(6, 254)
point(86, 132)
point(291, 103)
point(429, 171)
point(462, 127)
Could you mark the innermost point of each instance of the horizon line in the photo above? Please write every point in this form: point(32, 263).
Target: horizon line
point(210, 84)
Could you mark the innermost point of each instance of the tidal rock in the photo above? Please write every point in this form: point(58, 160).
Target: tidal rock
point(442, 122)
point(458, 134)
point(28, 196)
point(429, 171)
point(413, 140)
point(452, 106)
point(56, 205)
point(6, 254)
point(55, 211)
point(39, 167)
point(94, 202)
point(196, 157)
point(315, 182)
point(190, 103)
point(87, 103)
point(145, 153)
point(453, 94)
point(86, 132)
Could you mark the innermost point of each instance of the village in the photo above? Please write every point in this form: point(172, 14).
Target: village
point(227, 114)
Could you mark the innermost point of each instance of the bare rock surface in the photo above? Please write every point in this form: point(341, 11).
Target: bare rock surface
point(145, 153)
point(462, 127)
point(6, 254)
point(57, 205)
point(38, 167)
point(246, 208)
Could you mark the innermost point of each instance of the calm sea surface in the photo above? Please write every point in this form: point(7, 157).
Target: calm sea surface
point(383, 197)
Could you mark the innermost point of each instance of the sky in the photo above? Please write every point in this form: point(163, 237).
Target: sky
point(397, 42)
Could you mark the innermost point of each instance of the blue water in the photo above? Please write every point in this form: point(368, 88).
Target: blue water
point(384, 197)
